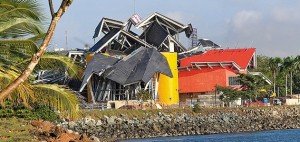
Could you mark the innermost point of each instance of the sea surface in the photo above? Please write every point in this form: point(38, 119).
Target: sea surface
point(292, 135)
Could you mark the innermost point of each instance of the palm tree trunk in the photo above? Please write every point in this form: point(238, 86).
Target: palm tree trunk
point(291, 83)
point(274, 82)
point(286, 82)
point(36, 57)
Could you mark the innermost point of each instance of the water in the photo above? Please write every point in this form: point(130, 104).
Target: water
point(292, 135)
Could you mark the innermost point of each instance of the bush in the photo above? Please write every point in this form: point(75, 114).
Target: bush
point(143, 95)
point(38, 112)
point(45, 112)
point(197, 108)
point(6, 112)
point(24, 113)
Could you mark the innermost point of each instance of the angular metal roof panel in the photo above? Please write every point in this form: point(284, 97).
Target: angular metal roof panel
point(99, 64)
point(155, 34)
point(141, 65)
point(105, 40)
point(207, 43)
point(107, 25)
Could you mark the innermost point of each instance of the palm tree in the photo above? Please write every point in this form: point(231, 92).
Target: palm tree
point(59, 97)
point(288, 68)
point(22, 19)
point(28, 92)
point(274, 65)
point(295, 69)
point(4, 93)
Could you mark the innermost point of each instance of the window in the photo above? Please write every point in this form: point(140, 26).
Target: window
point(234, 81)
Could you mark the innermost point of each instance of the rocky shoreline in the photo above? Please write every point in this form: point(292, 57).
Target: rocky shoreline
point(225, 120)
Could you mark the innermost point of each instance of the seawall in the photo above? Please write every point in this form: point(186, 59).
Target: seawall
point(206, 121)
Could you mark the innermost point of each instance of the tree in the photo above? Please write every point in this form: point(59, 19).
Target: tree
point(228, 94)
point(274, 65)
point(288, 68)
point(18, 43)
point(295, 71)
point(28, 93)
point(252, 86)
point(42, 49)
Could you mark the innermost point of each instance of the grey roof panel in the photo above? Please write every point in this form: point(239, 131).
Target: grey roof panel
point(104, 40)
point(207, 43)
point(111, 23)
point(99, 63)
point(141, 65)
point(155, 34)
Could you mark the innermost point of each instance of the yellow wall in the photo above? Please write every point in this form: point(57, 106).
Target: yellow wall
point(168, 87)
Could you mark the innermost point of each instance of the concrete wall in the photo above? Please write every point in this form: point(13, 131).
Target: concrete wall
point(292, 102)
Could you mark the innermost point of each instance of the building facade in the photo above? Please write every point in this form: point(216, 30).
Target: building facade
point(200, 74)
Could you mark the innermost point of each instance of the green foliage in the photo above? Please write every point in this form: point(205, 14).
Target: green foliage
point(6, 112)
point(20, 18)
point(21, 29)
point(45, 112)
point(296, 83)
point(263, 65)
point(277, 69)
point(253, 86)
point(58, 97)
point(197, 108)
point(24, 113)
point(228, 94)
point(143, 95)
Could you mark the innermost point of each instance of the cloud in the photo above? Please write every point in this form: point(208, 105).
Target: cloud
point(273, 33)
point(245, 19)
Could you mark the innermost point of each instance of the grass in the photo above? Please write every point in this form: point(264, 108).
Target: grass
point(140, 114)
point(96, 114)
point(16, 130)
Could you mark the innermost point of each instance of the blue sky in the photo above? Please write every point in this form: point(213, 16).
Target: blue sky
point(272, 26)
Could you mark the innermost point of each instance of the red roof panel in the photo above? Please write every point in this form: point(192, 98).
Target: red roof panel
point(241, 57)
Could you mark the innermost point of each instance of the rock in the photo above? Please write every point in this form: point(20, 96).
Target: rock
point(84, 138)
point(43, 126)
point(67, 137)
point(94, 139)
point(69, 131)
point(71, 125)
point(98, 123)
point(220, 121)
point(110, 120)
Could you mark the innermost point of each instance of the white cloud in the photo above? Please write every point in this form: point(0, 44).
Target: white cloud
point(246, 19)
point(273, 33)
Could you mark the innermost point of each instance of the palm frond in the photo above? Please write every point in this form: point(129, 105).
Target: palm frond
point(58, 97)
point(14, 52)
point(29, 8)
point(20, 18)
point(23, 94)
point(55, 61)
point(38, 37)
point(19, 11)
point(15, 27)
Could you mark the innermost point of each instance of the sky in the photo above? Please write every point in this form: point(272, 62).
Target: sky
point(271, 26)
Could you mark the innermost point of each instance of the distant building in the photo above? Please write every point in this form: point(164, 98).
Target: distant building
point(200, 74)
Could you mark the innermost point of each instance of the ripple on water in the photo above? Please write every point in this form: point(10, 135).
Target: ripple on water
point(292, 135)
